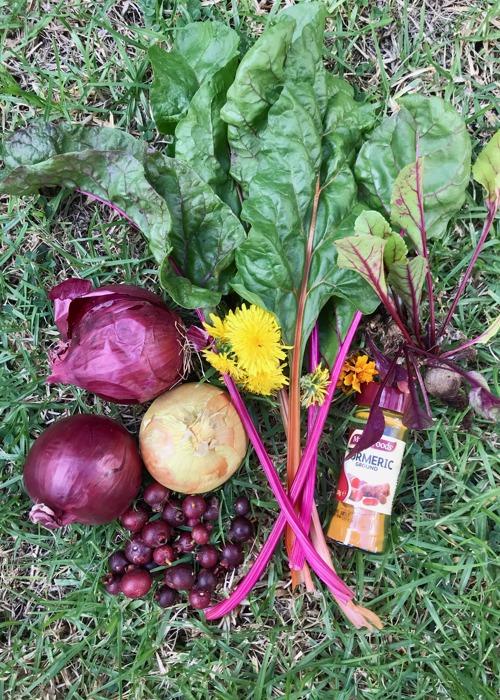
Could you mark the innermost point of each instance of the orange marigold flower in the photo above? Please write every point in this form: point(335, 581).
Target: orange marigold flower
point(357, 370)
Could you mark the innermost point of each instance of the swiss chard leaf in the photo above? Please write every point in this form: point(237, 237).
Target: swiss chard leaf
point(43, 140)
point(173, 87)
point(302, 191)
point(205, 234)
point(486, 169)
point(373, 223)
point(407, 279)
point(256, 87)
point(201, 136)
point(364, 254)
point(407, 205)
point(207, 47)
point(112, 176)
point(423, 126)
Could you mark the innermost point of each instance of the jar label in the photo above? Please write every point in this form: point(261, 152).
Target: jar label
point(369, 478)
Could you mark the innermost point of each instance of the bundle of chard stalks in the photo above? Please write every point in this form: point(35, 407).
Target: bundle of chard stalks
point(282, 208)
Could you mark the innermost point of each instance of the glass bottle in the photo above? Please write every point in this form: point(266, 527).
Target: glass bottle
point(368, 480)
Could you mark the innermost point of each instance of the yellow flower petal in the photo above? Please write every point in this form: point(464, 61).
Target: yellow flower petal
point(254, 336)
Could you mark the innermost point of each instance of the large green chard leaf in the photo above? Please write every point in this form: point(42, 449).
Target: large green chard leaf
point(113, 176)
point(205, 230)
point(201, 136)
point(207, 47)
point(43, 140)
point(173, 87)
point(204, 236)
point(301, 193)
point(423, 126)
point(256, 87)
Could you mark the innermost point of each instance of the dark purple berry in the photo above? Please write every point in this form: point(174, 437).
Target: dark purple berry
point(155, 495)
point(185, 543)
point(242, 506)
point(208, 556)
point(112, 583)
point(200, 534)
point(241, 529)
point(134, 519)
point(180, 577)
point(137, 552)
point(172, 513)
point(231, 556)
point(194, 507)
point(156, 533)
point(118, 561)
point(199, 599)
point(192, 522)
point(164, 555)
point(206, 580)
point(165, 596)
point(135, 584)
point(212, 511)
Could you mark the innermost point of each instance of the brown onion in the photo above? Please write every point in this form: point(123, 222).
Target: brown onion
point(121, 342)
point(192, 439)
point(82, 469)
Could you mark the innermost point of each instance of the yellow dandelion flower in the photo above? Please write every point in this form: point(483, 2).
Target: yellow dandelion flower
point(254, 336)
point(357, 370)
point(313, 387)
point(218, 330)
point(224, 364)
point(266, 383)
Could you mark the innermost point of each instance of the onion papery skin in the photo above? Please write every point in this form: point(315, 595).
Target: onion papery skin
point(83, 469)
point(192, 439)
point(119, 342)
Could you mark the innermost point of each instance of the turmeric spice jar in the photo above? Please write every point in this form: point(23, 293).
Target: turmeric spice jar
point(368, 479)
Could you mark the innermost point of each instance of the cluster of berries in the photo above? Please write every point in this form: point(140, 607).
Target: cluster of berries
point(165, 528)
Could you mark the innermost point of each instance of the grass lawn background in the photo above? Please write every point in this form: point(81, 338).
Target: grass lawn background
point(61, 636)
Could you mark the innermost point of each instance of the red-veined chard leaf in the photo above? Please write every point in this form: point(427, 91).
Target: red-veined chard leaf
point(407, 205)
point(407, 279)
point(486, 169)
point(43, 140)
point(167, 191)
point(364, 254)
point(422, 127)
point(373, 223)
point(113, 176)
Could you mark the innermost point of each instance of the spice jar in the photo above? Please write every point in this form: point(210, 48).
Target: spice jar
point(368, 479)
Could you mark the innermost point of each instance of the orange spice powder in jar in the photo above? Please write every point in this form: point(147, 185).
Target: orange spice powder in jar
point(368, 480)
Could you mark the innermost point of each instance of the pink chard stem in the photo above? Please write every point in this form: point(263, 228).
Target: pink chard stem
point(308, 456)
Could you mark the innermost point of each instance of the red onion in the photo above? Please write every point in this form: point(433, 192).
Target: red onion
point(119, 341)
point(82, 469)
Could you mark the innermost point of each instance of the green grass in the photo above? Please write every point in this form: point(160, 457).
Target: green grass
point(60, 635)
